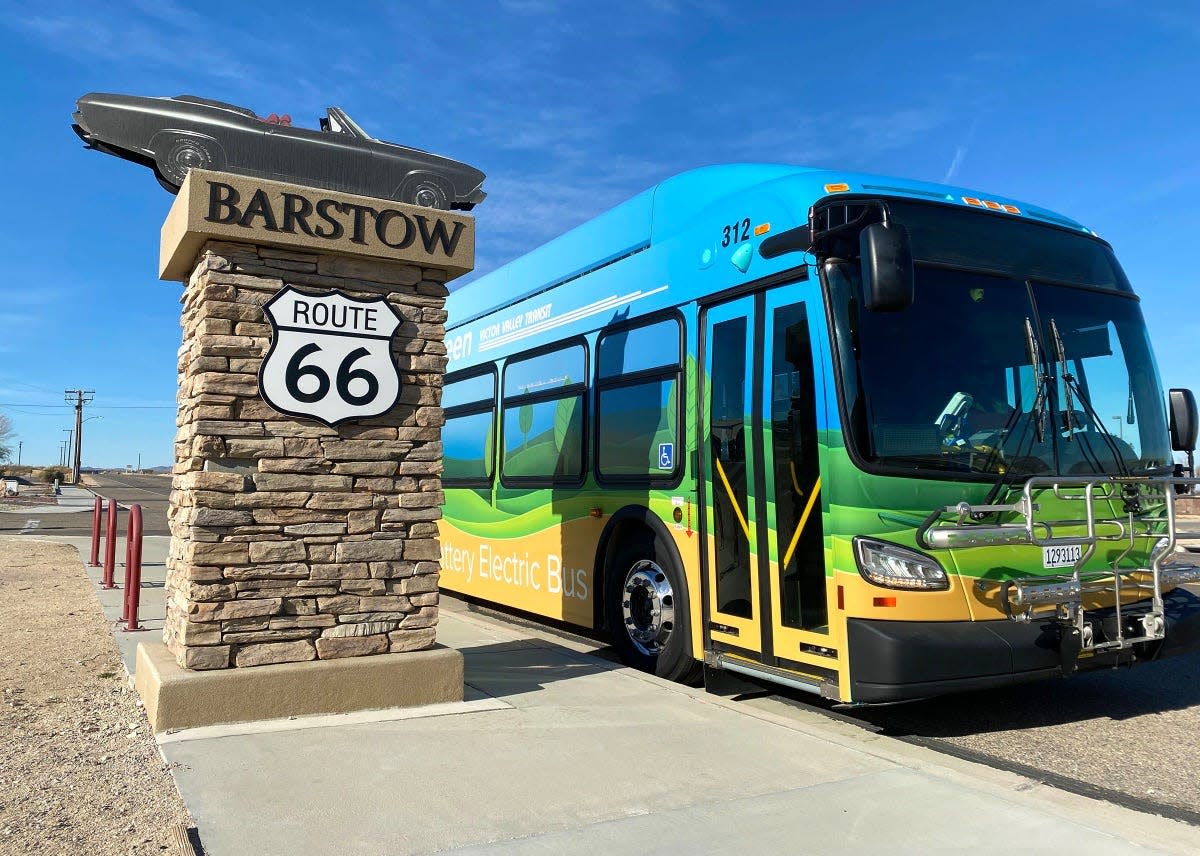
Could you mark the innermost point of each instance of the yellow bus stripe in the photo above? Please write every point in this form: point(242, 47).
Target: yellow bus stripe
point(812, 498)
point(737, 508)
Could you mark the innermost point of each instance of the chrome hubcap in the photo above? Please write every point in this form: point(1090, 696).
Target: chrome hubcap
point(427, 197)
point(189, 158)
point(648, 605)
point(185, 156)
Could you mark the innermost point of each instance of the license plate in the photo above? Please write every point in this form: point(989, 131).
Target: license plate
point(1061, 557)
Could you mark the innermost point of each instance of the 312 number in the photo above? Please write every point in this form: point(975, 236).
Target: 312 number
point(736, 232)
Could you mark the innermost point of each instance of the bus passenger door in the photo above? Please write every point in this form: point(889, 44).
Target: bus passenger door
point(791, 400)
point(733, 615)
point(765, 582)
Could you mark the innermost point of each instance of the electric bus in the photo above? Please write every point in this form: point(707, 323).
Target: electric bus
point(870, 438)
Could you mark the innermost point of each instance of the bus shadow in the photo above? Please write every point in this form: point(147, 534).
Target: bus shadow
point(1115, 695)
point(507, 669)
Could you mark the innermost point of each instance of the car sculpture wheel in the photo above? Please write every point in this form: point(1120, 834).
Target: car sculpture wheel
point(425, 190)
point(182, 154)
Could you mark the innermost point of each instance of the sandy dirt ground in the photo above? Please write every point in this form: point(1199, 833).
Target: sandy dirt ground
point(79, 769)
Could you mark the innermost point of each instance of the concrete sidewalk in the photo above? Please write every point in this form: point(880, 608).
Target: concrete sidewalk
point(69, 500)
point(557, 750)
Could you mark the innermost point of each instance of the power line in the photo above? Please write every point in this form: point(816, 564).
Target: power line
point(13, 380)
point(96, 407)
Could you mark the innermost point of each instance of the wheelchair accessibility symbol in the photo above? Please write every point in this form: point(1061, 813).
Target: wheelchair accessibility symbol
point(666, 456)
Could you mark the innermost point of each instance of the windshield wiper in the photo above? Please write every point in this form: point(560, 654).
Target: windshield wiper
point(1068, 380)
point(1037, 420)
point(1071, 385)
point(1038, 413)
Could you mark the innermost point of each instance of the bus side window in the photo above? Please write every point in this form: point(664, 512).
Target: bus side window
point(638, 402)
point(468, 436)
point(543, 417)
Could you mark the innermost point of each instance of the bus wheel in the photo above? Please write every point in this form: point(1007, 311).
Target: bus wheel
point(647, 610)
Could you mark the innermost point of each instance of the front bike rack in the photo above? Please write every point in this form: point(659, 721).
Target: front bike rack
point(1113, 510)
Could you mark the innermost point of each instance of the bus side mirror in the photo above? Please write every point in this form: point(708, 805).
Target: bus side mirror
point(887, 267)
point(1181, 408)
point(1181, 414)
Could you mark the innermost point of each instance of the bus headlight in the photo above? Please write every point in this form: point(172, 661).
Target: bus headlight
point(893, 566)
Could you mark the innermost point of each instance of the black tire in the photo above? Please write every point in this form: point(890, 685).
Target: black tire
point(166, 185)
point(425, 190)
point(183, 154)
point(643, 574)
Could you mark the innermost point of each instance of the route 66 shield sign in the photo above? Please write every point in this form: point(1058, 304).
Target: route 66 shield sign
point(330, 357)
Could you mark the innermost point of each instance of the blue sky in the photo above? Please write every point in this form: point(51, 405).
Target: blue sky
point(1092, 109)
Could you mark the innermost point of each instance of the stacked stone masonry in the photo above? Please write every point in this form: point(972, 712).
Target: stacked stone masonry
point(293, 541)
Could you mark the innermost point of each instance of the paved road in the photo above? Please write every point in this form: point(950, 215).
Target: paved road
point(151, 492)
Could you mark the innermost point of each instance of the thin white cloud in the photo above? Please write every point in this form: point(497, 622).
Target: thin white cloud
point(134, 42)
point(960, 154)
point(40, 296)
point(889, 131)
point(570, 183)
point(839, 138)
point(16, 319)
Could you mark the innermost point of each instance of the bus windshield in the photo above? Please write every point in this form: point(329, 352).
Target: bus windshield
point(987, 374)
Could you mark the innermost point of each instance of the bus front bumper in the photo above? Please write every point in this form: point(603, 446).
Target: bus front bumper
point(904, 660)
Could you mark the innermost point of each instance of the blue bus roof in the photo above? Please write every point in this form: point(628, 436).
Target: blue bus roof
point(668, 207)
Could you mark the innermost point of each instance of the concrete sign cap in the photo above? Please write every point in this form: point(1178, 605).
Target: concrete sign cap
point(226, 207)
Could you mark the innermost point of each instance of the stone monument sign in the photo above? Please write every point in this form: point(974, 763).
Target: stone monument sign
point(308, 453)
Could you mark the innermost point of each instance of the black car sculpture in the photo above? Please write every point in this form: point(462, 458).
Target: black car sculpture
point(173, 135)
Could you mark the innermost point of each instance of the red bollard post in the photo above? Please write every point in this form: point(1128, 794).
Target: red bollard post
point(97, 513)
point(110, 547)
point(133, 568)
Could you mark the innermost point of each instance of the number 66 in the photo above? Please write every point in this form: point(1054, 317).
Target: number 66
point(295, 371)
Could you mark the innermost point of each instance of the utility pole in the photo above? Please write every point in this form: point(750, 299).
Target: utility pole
point(82, 397)
point(20, 443)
